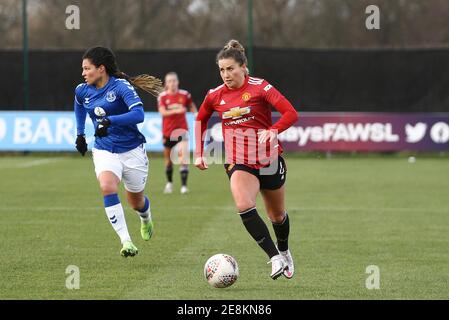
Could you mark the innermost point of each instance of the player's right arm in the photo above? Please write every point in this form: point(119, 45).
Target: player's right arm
point(80, 111)
point(80, 116)
point(204, 114)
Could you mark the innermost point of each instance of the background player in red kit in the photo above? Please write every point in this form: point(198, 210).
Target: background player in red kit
point(244, 104)
point(173, 104)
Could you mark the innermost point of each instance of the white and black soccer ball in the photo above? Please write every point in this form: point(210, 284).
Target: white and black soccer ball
point(221, 270)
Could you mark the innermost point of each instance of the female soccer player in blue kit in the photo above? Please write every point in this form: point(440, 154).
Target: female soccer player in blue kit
point(109, 97)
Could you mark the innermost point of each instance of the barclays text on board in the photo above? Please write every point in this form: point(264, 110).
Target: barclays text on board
point(56, 131)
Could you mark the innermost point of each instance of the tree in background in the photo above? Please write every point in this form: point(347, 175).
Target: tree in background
point(10, 24)
point(164, 24)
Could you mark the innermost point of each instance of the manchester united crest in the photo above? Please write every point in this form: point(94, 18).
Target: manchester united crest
point(246, 96)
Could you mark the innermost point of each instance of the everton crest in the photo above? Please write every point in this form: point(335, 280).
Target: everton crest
point(110, 96)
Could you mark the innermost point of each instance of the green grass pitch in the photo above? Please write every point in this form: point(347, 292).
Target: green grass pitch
point(346, 214)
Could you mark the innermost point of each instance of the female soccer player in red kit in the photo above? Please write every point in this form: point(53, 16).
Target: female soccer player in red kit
point(173, 104)
point(243, 103)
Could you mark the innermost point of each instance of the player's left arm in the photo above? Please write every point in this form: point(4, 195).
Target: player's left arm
point(289, 115)
point(191, 105)
point(193, 109)
point(134, 116)
point(132, 100)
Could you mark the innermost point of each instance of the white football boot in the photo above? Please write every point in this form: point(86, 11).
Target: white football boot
point(278, 265)
point(184, 190)
point(288, 273)
point(168, 187)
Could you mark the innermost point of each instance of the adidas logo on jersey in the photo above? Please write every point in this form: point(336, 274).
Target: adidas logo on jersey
point(222, 102)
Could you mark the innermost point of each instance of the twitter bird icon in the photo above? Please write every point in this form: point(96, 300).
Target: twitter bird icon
point(415, 133)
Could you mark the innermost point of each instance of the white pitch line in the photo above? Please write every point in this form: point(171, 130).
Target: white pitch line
point(38, 162)
point(48, 209)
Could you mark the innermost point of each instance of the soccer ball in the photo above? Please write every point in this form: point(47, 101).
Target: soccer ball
point(221, 270)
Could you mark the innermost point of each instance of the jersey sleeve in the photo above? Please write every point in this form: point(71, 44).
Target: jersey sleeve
point(161, 102)
point(271, 94)
point(289, 115)
point(129, 95)
point(80, 111)
point(134, 116)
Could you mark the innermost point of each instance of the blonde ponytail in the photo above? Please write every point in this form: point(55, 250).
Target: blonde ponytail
point(148, 84)
point(144, 82)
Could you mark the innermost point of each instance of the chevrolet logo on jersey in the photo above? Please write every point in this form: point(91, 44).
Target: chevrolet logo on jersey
point(175, 106)
point(236, 112)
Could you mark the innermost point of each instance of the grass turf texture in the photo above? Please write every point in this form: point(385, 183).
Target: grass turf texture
point(346, 214)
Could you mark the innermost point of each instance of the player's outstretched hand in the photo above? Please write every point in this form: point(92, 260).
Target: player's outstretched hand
point(81, 144)
point(102, 128)
point(201, 163)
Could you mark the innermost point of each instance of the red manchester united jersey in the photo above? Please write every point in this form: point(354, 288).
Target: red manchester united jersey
point(180, 100)
point(244, 112)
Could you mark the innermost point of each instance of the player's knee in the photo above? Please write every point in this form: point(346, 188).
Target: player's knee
point(276, 216)
point(137, 205)
point(245, 205)
point(108, 187)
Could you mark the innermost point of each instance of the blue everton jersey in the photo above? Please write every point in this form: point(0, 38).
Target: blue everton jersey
point(117, 97)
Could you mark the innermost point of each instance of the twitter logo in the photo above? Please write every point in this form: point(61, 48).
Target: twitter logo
point(415, 133)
